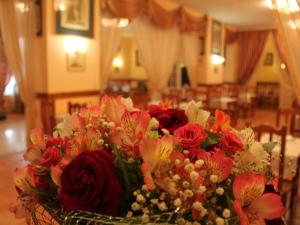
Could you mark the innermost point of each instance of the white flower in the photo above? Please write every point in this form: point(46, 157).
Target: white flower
point(226, 213)
point(153, 124)
point(254, 159)
point(201, 189)
point(195, 114)
point(177, 202)
point(220, 221)
point(65, 128)
point(199, 163)
point(220, 191)
point(135, 206)
point(145, 218)
point(197, 205)
point(128, 104)
point(214, 178)
point(247, 136)
point(162, 206)
point(194, 175)
point(140, 198)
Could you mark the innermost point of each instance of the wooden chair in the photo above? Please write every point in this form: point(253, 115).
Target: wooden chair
point(288, 187)
point(75, 107)
point(294, 194)
point(292, 120)
point(174, 96)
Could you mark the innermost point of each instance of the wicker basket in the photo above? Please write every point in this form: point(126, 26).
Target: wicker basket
point(43, 214)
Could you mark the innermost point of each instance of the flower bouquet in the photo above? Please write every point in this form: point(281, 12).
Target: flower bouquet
point(116, 164)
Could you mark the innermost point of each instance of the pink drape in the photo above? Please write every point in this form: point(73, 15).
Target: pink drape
point(251, 47)
point(280, 49)
point(5, 75)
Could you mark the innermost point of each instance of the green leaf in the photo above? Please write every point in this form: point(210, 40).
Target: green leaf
point(43, 192)
point(211, 139)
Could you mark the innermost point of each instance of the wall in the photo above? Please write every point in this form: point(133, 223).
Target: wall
point(210, 73)
point(230, 66)
point(267, 73)
point(57, 78)
point(127, 52)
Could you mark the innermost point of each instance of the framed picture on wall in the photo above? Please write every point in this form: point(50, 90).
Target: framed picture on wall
point(77, 18)
point(38, 18)
point(216, 34)
point(269, 58)
point(138, 58)
point(201, 45)
point(76, 62)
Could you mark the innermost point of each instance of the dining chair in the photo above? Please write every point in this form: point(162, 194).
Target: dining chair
point(291, 120)
point(263, 129)
point(75, 107)
point(287, 186)
point(294, 194)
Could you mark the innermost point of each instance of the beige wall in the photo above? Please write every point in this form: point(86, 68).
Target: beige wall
point(59, 78)
point(127, 52)
point(209, 73)
point(267, 73)
point(55, 77)
point(230, 67)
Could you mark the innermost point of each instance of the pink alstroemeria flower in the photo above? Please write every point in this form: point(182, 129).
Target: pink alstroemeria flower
point(216, 163)
point(154, 152)
point(250, 204)
point(112, 108)
point(133, 126)
point(36, 147)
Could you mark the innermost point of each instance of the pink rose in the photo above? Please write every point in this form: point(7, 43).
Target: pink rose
point(231, 143)
point(50, 157)
point(190, 136)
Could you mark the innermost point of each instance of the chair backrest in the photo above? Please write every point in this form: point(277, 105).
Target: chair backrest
point(75, 107)
point(271, 131)
point(295, 123)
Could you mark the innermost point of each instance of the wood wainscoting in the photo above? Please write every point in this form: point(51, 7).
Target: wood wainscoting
point(47, 102)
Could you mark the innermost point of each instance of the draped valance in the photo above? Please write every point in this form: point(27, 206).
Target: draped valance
point(165, 14)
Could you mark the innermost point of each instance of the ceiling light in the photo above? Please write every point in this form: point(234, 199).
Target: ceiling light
point(282, 66)
point(288, 5)
point(217, 59)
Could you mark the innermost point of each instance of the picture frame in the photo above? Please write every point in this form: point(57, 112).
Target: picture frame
point(216, 33)
point(138, 58)
point(269, 58)
point(38, 18)
point(201, 45)
point(76, 62)
point(76, 19)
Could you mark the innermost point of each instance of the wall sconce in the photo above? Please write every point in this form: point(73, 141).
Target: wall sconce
point(75, 44)
point(60, 5)
point(217, 59)
point(282, 66)
point(117, 63)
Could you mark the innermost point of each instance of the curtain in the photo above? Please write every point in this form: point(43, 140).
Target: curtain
point(159, 50)
point(163, 13)
point(230, 36)
point(287, 16)
point(110, 40)
point(5, 74)
point(18, 33)
point(190, 52)
point(251, 47)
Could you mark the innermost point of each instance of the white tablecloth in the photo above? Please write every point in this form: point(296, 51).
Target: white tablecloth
point(292, 150)
point(225, 100)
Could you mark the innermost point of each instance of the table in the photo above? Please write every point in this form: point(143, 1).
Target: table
point(226, 101)
point(292, 151)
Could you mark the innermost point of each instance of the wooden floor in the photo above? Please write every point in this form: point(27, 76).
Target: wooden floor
point(12, 139)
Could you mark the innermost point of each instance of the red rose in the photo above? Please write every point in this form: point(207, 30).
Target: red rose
point(90, 183)
point(50, 157)
point(169, 119)
point(190, 136)
point(231, 143)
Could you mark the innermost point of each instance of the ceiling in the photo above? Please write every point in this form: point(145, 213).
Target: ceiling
point(245, 14)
